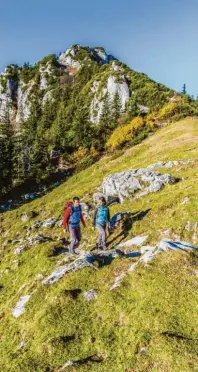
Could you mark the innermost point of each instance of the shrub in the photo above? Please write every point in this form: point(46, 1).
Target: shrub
point(151, 120)
point(79, 154)
point(122, 135)
point(168, 110)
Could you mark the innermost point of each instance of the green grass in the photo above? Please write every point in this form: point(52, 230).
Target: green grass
point(155, 307)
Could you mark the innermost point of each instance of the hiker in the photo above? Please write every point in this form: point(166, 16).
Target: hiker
point(72, 217)
point(100, 219)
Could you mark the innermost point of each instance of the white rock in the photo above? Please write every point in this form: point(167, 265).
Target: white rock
point(125, 184)
point(186, 200)
point(188, 226)
point(20, 249)
point(147, 248)
point(113, 87)
point(170, 245)
point(20, 306)
point(85, 259)
point(90, 295)
point(147, 256)
point(137, 240)
point(23, 101)
point(39, 277)
point(117, 281)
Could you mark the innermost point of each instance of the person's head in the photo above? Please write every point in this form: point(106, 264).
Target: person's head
point(102, 201)
point(76, 201)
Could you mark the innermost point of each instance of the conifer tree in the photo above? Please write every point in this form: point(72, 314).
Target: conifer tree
point(115, 109)
point(184, 89)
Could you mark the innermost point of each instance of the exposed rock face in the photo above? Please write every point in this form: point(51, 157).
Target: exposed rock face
point(113, 86)
point(15, 94)
point(140, 182)
point(23, 102)
point(102, 55)
point(120, 87)
point(6, 99)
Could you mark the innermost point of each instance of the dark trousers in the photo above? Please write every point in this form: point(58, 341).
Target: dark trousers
point(75, 236)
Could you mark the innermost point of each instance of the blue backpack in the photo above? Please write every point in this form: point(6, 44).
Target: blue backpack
point(102, 214)
point(74, 220)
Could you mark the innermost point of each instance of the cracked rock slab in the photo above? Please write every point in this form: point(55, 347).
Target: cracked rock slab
point(137, 240)
point(84, 260)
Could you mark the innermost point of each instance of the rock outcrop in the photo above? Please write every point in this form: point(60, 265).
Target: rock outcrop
point(113, 85)
point(136, 182)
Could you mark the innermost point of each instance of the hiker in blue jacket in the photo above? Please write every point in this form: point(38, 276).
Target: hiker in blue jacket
point(101, 218)
point(71, 221)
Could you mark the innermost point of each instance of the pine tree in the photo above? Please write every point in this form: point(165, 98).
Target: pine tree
point(115, 109)
point(18, 158)
point(106, 115)
point(184, 89)
point(82, 129)
point(5, 154)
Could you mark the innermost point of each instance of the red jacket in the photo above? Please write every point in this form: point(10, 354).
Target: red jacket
point(66, 218)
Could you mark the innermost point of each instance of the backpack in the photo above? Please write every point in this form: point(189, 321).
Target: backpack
point(102, 214)
point(67, 205)
point(74, 219)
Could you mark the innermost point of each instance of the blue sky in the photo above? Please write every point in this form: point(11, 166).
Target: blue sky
point(152, 36)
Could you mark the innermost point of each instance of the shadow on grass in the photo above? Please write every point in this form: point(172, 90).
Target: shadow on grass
point(127, 223)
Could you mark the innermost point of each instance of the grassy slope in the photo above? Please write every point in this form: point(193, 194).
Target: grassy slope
point(155, 299)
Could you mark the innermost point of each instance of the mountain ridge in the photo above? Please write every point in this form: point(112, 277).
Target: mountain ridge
point(61, 112)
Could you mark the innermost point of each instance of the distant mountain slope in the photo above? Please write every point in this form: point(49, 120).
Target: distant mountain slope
point(64, 108)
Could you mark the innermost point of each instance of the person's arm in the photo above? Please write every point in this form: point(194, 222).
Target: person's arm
point(108, 215)
point(66, 218)
point(94, 217)
point(108, 218)
point(82, 220)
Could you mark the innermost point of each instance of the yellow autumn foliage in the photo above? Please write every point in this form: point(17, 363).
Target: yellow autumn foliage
point(124, 133)
point(168, 110)
point(151, 120)
point(79, 154)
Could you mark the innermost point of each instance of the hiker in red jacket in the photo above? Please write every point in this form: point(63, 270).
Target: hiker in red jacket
point(72, 217)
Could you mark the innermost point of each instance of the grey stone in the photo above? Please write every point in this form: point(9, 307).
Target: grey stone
point(38, 239)
point(186, 200)
point(97, 196)
point(59, 223)
point(20, 249)
point(188, 226)
point(90, 295)
point(169, 164)
point(28, 215)
point(39, 277)
point(137, 240)
point(170, 245)
point(50, 222)
point(36, 225)
point(85, 259)
point(117, 281)
point(147, 248)
point(142, 180)
point(20, 306)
